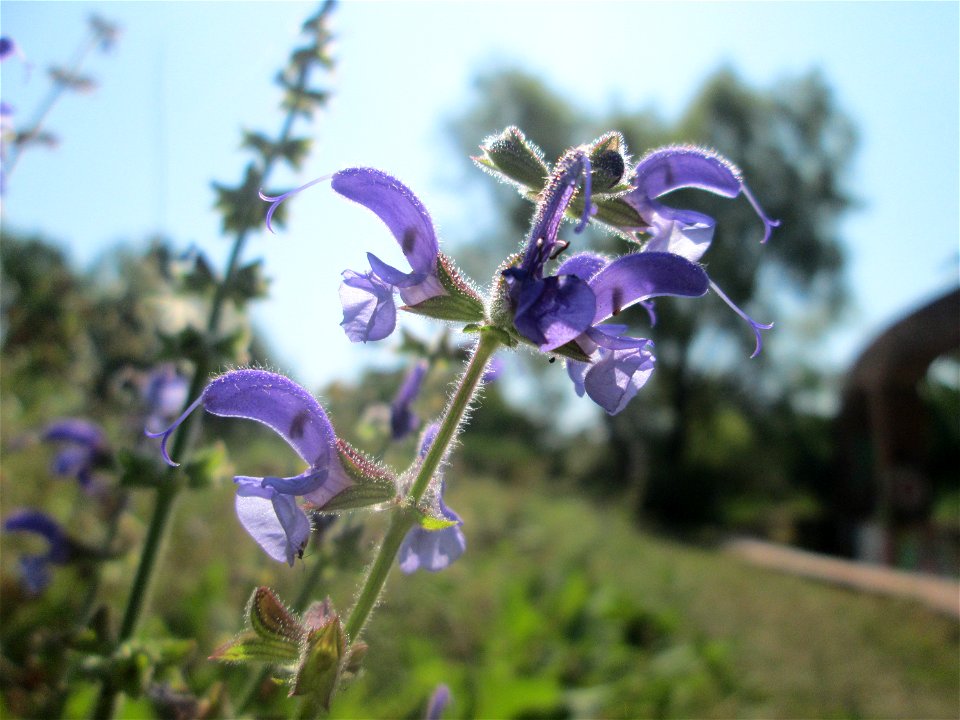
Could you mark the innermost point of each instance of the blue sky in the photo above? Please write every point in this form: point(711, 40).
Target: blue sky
point(138, 155)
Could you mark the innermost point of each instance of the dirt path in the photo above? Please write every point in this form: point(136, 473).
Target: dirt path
point(941, 594)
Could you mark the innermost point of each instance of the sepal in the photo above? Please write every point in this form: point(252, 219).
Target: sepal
point(373, 484)
point(461, 303)
point(511, 157)
point(608, 163)
point(274, 636)
point(325, 645)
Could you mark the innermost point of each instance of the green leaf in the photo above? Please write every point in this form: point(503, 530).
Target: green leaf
point(207, 467)
point(140, 470)
point(247, 283)
point(242, 208)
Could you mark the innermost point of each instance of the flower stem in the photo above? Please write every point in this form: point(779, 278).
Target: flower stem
point(404, 518)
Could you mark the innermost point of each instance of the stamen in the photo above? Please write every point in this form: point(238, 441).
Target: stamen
point(165, 434)
point(757, 327)
point(768, 223)
point(275, 201)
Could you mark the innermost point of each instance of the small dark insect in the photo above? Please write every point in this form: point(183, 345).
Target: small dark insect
point(552, 360)
point(561, 246)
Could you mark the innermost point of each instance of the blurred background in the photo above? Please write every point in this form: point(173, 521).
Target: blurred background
point(841, 438)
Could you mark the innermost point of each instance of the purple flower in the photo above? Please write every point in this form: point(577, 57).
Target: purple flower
point(83, 446)
point(9, 49)
point(619, 364)
point(35, 568)
point(403, 420)
point(586, 290)
point(438, 702)
point(164, 393)
point(685, 232)
point(368, 311)
point(267, 506)
point(432, 550)
point(551, 311)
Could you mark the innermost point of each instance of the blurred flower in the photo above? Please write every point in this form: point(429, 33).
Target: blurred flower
point(83, 447)
point(9, 49)
point(403, 420)
point(164, 393)
point(438, 702)
point(107, 33)
point(35, 568)
point(267, 506)
point(432, 550)
point(685, 232)
point(493, 370)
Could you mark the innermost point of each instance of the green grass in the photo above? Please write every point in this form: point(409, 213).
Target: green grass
point(558, 610)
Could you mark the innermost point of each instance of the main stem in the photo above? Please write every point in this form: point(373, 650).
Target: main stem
point(405, 517)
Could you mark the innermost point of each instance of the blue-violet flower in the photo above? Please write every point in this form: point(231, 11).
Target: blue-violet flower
point(83, 446)
point(35, 568)
point(403, 420)
point(619, 364)
point(267, 506)
point(432, 550)
point(685, 232)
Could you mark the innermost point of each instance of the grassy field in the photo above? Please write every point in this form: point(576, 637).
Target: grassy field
point(558, 610)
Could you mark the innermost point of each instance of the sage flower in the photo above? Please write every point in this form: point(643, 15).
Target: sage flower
point(619, 365)
point(83, 447)
point(368, 309)
point(432, 550)
point(267, 506)
point(553, 310)
point(35, 569)
point(438, 702)
point(403, 420)
point(685, 232)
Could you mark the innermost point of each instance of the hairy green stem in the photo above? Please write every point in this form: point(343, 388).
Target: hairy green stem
point(405, 516)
